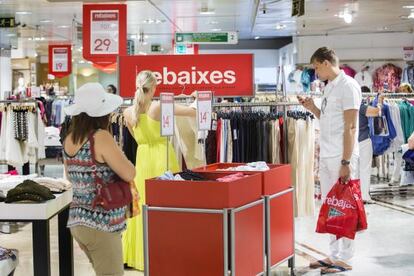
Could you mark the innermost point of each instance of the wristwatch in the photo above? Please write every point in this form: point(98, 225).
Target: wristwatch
point(345, 162)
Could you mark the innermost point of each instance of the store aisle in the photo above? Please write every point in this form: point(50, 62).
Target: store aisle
point(387, 248)
point(22, 241)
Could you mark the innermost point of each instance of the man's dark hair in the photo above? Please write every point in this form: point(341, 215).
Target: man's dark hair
point(113, 88)
point(323, 54)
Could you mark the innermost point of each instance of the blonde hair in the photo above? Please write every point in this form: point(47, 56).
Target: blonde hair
point(405, 87)
point(145, 82)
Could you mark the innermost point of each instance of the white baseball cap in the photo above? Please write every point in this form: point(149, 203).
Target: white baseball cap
point(92, 99)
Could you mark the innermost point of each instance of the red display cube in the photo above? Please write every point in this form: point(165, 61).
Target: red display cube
point(204, 194)
point(275, 180)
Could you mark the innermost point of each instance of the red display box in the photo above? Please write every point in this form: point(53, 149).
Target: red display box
point(281, 226)
point(185, 244)
point(204, 194)
point(275, 180)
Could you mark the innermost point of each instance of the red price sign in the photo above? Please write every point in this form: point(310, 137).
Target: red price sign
point(203, 117)
point(165, 121)
point(204, 106)
point(167, 114)
point(104, 31)
point(102, 45)
point(60, 59)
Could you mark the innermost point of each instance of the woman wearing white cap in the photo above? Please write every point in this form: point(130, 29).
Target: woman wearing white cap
point(98, 231)
point(143, 120)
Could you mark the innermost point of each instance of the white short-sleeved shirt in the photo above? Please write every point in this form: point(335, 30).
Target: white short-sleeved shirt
point(343, 93)
point(364, 79)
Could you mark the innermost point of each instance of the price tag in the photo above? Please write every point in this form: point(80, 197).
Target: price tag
point(204, 107)
point(167, 114)
point(60, 59)
point(408, 53)
point(104, 32)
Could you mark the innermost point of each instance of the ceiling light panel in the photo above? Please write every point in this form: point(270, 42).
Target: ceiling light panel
point(23, 13)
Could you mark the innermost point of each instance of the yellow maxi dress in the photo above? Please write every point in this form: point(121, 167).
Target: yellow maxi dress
point(151, 162)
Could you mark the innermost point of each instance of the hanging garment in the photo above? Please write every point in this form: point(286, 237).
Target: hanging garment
point(364, 78)
point(408, 75)
point(211, 147)
point(218, 139)
point(295, 79)
point(308, 76)
point(382, 131)
point(229, 155)
point(398, 141)
point(407, 119)
point(387, 78)
point(14, 153)
point(186, 136)
point(151, 162)
point(348, 70)
point(3, 135)
point(20, 125)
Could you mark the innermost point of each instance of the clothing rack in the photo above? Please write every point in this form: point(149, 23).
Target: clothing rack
point(26, 166)
point(254, 104)
point(389, 95)
point(19, 101)
point(264, 104)
point(344, 61)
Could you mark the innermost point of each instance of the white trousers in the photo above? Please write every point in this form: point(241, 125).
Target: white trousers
point(396, 174)
point(365, 162)
point(343, 248)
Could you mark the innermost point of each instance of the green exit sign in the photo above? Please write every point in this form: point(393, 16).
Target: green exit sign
point(7, 22)
point(156, 48)
point(207, 38)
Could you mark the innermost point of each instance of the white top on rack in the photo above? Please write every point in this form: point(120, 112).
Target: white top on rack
point(35, 211)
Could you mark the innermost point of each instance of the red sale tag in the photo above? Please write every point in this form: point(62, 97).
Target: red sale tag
point(167, 114)
point(60, 60)
point(204, 107)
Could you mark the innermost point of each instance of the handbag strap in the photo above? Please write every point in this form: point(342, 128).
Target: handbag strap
point(98, 180)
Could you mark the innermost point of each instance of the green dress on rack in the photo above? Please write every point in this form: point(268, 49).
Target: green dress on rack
point(151, 162)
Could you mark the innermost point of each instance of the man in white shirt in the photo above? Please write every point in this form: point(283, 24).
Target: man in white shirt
point(338, 142)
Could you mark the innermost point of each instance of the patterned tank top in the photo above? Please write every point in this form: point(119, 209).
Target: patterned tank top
point(79, 170)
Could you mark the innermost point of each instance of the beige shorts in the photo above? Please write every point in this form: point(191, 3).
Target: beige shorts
point(103, 249)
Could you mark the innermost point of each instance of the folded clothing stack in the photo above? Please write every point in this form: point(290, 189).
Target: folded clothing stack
point(11, 181)
point(29, 191)
point(55, 185)
point(254, 166)
point(231, 177)
point(168, 175)
point(185, 175)
point(193, 176)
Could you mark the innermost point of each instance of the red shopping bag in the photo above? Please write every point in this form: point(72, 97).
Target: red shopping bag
point(362, 217)
point(342, 213)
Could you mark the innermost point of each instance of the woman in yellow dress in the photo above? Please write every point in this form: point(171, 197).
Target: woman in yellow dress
point(143, 120)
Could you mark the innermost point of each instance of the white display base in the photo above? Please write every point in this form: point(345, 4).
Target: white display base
point(35, 211)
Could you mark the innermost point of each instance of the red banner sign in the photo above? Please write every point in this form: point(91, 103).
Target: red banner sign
point(104, 32)
point(60, 60)
point(225, 75)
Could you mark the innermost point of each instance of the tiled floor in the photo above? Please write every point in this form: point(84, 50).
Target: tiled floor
point(386, 248)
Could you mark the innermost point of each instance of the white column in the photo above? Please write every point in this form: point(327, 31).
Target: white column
point(5, 73)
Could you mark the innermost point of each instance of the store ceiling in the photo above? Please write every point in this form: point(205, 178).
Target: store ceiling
point(53, 20)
